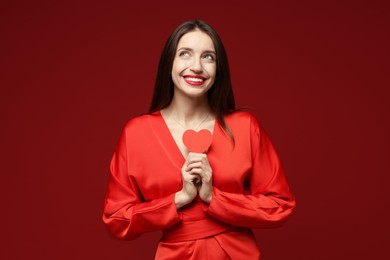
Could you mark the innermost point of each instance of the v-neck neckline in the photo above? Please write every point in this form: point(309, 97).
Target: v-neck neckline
point(172, 140)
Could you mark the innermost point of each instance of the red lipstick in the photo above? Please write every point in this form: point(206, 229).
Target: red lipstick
point(194, 80)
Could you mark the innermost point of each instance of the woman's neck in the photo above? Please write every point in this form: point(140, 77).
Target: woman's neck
point(189, 111)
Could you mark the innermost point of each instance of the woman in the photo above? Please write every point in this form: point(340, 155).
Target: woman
point(205, 202)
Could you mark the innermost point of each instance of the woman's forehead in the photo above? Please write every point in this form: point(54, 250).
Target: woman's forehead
point(196, 40)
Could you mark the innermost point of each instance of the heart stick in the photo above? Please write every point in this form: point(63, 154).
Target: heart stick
point(197, 142)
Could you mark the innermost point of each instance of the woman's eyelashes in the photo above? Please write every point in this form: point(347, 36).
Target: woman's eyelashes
point(209, 57)
point(206, 56)
point(184, 53)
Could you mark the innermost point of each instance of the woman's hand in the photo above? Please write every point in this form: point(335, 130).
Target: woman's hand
point(198, 165)
point(189, 190)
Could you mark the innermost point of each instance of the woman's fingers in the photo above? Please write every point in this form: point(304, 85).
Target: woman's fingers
point(196, 160)
point(193, 165)
point(198, 165)
point(196, 157)
point(190, 177)
point(200, 172)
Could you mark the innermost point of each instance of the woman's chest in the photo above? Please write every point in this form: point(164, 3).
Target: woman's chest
point(158, 171)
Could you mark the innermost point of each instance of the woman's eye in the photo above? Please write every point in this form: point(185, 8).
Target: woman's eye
point(209, 57)
point(184, 54)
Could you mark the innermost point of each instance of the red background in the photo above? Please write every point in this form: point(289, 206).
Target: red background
point(315, 74)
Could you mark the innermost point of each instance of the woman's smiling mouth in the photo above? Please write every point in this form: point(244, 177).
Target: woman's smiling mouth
point(194, 80)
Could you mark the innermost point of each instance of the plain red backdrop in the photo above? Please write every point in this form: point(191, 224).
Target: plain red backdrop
point(316, 74)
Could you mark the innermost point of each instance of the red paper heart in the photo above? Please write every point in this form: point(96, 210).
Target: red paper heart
point(197, 142)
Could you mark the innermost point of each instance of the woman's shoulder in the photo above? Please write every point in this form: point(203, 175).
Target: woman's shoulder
point(241, 117)
point(142, 122)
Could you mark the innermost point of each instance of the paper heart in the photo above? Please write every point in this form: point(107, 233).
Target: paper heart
point(197, 142)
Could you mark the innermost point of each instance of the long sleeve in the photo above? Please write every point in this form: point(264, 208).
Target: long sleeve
point(270, 200)
point(126, 213)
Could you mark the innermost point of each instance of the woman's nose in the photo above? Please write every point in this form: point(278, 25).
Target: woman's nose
point(196, 65)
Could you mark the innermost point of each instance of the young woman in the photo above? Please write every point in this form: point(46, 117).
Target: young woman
point(205, 202)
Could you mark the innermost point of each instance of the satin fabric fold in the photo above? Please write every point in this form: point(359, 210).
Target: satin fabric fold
point(225, 246)
point(249, 189)
point(195, 224)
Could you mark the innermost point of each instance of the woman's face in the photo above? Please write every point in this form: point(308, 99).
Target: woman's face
point(194, 66)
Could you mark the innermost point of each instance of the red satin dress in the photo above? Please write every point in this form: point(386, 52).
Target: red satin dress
point(249, 190)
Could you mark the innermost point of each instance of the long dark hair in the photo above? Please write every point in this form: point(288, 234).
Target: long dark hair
point(220, 95)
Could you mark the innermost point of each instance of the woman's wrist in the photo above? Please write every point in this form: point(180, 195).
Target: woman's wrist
point(181, 199)
point(208, 199)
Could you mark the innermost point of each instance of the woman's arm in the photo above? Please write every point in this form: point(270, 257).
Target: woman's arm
point(270, 200)
point(126, 214)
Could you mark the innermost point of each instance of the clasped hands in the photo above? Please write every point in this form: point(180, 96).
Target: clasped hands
point(197, 179)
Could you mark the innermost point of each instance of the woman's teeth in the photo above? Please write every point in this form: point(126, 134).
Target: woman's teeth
point(195, 79)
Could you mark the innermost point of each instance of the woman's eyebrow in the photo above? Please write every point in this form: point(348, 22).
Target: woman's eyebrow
point(210, 51)
point(185, 49)
point(189, 49)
